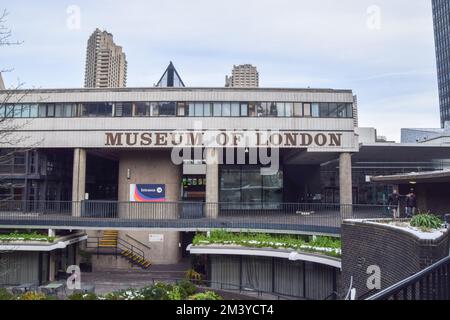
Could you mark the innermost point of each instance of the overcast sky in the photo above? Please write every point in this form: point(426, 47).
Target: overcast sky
point(388, 62)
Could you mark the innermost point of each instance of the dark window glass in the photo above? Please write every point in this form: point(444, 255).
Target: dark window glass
point(333, 108)
point(25, 111)
point(341, 110)
point(2, 111)
point(273, 111)
point(349, 108)
point(167, 109)
point(123, 109)
point(324, 110)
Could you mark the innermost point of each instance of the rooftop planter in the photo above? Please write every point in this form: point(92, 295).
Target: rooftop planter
point(321, 245)
point(25, 237)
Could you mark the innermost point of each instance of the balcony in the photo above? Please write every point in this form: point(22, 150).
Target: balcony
point(297, 218)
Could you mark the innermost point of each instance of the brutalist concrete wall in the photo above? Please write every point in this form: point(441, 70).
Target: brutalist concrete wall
point(399, 254)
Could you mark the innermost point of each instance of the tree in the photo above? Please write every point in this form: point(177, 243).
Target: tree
point(8, 140)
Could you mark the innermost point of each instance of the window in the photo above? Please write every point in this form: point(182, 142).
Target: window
point(226, 109)
point(198, 110)
point(100, 109)
point(217, 109)
point(2, 111)
point(307, 110)
point(235, 109)
point(154, 109)
point(42, 111)
point(50, 110)
point(289, 109)
point(69, 110)
point(142, 109)
point(298, 110)
point(207, 109)
point(324, 110)
point(59, 110)
point(342, 110)
point(332, 110)
point(191, 109)
point(244, 109)
point(262, 109)
point(181, 109)
point(123, 109)
point(281, 112)
point(315, 110)
point(167, 108)
point(25, 111)
point(252, 109)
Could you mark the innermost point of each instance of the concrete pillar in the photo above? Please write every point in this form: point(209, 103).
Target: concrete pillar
point(51, 266)
point(212, 183)
point(345, 185)
point(79, 180)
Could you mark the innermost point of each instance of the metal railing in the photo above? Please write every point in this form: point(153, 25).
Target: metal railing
point(432, 283)
point(318, 218)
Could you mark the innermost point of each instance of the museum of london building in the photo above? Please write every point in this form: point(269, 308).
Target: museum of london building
point(181, 156)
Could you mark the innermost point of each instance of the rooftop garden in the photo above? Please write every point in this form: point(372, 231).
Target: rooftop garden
point(423, 225)
point(323, 245)
point(25, 236)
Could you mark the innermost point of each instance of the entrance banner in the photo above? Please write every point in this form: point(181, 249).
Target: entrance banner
point(147, 192)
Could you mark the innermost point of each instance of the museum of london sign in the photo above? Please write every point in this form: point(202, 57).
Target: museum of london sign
point(217, 139)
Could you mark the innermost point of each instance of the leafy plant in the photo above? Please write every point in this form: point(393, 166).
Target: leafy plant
point(83, 296)
point(29, 236)
point(33, 295)
point(426, 221)
point(177, 293)
point(324, 245)
point(5, 295)
point(193, 276)
point(208, 295)
point(188, 287)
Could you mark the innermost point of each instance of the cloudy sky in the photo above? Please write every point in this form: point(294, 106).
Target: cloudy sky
point(383, 50)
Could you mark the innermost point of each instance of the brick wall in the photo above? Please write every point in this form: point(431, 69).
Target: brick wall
point(398, 253)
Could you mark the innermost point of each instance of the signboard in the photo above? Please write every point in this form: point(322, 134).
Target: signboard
point(155, 237)
point(147, 192)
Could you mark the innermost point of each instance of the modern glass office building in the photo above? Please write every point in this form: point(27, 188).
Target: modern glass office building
point(441, 17)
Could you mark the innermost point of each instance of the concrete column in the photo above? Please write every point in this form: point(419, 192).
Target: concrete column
point(51, 266)
point(212, 183)
point(79, 180)
point(345, 184)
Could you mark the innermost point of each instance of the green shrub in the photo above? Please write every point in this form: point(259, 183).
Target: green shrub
point(158, 291)
point(208, 295)
point(188, 287)
point(83, 296)
point(5, 295)
point(426, 221)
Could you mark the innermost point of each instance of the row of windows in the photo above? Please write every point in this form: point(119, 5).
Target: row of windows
point(179, 109)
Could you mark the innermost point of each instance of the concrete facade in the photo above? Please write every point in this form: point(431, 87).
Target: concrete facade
point(155, 167)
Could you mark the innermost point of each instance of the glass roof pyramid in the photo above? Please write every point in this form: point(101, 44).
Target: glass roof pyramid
point(170, 78)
